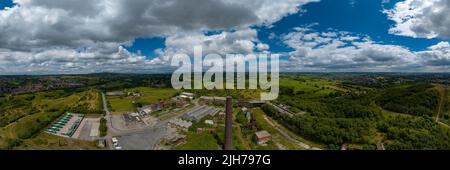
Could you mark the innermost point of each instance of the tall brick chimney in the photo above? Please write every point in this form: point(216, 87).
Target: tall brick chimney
point(228, 124)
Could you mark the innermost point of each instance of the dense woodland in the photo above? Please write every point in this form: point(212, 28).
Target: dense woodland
point(418, 100)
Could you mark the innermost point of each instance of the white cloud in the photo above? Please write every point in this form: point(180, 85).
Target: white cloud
point(359, 53)
point(46, 23)
point(421, 18)
point(243, 41)
point(66, 35)
point(67, 60)
point(437, 55)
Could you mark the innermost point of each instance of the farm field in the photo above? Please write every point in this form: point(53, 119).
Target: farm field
point(199, 141)
point(120, 104)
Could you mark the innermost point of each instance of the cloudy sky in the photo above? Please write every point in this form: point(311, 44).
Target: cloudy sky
point(141, 36)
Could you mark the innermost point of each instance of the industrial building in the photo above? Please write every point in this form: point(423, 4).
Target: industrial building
point(115, 93)
point(251, 103)
point(200, 112)
point(180, 123)
point(213, 100)
point(187, 95)
point(146, 110)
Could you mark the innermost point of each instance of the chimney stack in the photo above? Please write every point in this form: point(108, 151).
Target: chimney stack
point(228, 124)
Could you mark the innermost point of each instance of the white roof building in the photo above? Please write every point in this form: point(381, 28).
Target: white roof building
point(209, 122)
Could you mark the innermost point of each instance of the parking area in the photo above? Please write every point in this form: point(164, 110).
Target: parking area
point(147, 139)
point(88, 129)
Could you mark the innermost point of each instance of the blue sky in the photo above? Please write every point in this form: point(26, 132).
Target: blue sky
point(147, 46)
point(363, 17)
point(5, 3)
point(360, 17)
point(329, 35)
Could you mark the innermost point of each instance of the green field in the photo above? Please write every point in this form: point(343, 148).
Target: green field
point(45, 141)
point(309, 87)
point(199, 141)
point(120, 104)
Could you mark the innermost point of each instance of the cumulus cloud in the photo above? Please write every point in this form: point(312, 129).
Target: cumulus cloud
point(243, 41)
point(66, 36)
point(66, 60)
point(344, 51)
point(421, 18)
point(99, 28)
point(45, 23)
point(437, 55)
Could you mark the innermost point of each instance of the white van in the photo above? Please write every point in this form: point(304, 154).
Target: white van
point(114, 141)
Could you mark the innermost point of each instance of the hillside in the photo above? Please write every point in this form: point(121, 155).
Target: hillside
point(417, 99)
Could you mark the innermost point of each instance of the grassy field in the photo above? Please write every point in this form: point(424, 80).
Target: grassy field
point(122, 104)
point(45, 141)
point(248, 94)
point(199, 141)
point(311, 88)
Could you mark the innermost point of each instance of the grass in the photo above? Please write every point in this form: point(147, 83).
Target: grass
point(122, 104)
point(45, 141)
point(444, 109)
point(199, 141)
point(103, 129)
point(311, 88)
point(248, 94)
point(152, 95)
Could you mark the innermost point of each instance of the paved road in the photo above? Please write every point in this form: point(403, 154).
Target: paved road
point(111, 130)
point(108, 117)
